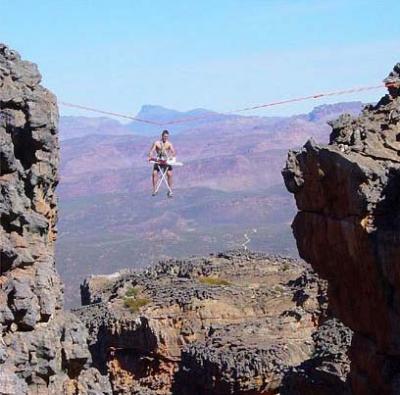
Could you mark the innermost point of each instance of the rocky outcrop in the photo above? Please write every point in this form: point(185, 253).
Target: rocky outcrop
point(326, 372)
point(347, 227)
point(233, 323)
point(42, 349)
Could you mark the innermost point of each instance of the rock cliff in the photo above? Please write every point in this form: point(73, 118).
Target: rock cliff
point(43, 349)
point(348, 228)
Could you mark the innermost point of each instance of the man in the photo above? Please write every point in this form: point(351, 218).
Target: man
point(164, 150)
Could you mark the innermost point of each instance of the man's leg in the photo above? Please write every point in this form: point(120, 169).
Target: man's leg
point(170, 179)
point(155, 180)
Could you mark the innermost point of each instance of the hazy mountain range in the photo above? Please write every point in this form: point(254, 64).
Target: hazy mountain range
point(75, 126)
point(230, 185)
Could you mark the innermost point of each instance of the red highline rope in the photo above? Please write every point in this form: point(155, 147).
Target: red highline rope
point(115, 114)
point(205, 116)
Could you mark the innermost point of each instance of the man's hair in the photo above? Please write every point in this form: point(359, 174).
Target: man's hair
point(165, 132)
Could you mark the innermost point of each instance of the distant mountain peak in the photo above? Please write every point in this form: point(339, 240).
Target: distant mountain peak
point(149, 111)
point(157, 112)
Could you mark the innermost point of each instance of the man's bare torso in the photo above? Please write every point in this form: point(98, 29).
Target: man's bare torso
point(163, 149)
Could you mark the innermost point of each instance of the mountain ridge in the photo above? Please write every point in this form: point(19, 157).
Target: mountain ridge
point(79, 126)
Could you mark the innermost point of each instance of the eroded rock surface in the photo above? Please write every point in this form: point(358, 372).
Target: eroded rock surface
point(233, 323)
point(326, 372)
point(347, 227)
point(42, 349)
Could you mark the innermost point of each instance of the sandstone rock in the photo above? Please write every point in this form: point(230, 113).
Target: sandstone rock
point(226, 324)
point(42, 349)
point(348, 227)
point(10, 383)
point(326, 372)
point(392, 80)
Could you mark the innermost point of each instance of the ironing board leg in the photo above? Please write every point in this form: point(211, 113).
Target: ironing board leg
point(163, 178)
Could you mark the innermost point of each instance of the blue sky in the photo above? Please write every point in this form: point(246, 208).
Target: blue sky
point(218, 55)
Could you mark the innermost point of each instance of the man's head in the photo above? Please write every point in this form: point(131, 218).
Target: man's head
point(164, 135)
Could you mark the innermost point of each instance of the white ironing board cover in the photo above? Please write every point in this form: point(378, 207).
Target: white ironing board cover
point(169, 162)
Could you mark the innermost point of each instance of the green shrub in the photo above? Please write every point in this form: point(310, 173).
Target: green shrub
point(134, 304)
point(132, 292)
point(214, 281)
point(278, 288)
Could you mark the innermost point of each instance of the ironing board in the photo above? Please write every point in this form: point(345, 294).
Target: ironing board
point(163, 164)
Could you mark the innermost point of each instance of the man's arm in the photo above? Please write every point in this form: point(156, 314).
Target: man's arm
point(172, 149)
point(152, 149)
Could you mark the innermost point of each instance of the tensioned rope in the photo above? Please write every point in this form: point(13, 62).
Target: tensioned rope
point(115, 114)
point(239, 110)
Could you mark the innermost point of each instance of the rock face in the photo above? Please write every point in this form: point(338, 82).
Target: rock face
point(326, 372)
point(42, 349)
point(227, 324)
point(348, 228)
